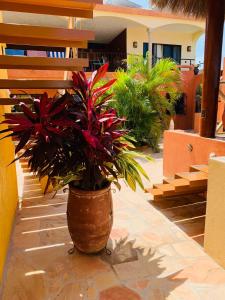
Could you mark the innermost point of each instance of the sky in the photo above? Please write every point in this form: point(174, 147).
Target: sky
point(200, 49)
point(144, 3)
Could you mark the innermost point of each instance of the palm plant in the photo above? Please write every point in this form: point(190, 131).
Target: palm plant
point(147, 96)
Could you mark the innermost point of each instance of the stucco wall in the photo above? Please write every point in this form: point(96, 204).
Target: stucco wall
point(145, 17)
point(215, 222)
point(140, 35)
point(8, 189)
point(177, 156)
point(136, 34)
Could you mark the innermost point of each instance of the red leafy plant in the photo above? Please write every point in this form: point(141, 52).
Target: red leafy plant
point(77, 138)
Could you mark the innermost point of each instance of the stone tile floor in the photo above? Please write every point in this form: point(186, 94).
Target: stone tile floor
point(151, 258)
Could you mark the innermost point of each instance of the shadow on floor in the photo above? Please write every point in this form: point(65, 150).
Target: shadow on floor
point(141, 269)
point(40, 268)
point(187, 212)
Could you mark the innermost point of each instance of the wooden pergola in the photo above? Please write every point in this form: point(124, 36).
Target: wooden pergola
point(47, 37)
point(214, 12)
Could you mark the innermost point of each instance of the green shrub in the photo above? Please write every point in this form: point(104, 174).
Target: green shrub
point(147, 97)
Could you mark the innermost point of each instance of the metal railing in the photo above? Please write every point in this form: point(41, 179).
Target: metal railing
point(182, 61)
point(97, 59)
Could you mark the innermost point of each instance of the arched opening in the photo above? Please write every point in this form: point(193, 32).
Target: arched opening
point(118, 36)
point(115, 38)
point(176, 41)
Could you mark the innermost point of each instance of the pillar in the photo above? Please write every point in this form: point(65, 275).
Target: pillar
point(149, 47)
point(212, 67)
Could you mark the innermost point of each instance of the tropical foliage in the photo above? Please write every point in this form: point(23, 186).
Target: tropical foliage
point(147, 97)
point(76, 139)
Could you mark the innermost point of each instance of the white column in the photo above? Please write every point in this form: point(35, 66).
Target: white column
point(150, 46)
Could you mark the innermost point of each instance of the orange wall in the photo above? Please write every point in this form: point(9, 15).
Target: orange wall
point(190, 83)
point(178, 158)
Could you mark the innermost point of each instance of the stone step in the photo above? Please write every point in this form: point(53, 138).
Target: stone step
point(197, 179)
point(179, 201)
point(167, 189)
point(201, 168)
point(168, 192)
point(156, 193)
point(179, 184)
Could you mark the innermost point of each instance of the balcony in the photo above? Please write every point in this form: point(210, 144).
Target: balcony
point(116, 60)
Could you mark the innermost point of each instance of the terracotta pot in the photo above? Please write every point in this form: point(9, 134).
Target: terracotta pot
point(90, 218)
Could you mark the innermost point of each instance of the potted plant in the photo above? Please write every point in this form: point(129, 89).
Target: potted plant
point(196, 69)
point(77, 140)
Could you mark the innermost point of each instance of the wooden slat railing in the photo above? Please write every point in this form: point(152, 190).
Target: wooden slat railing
point(70, 8)
point(42, 63)
point(44, 36)
point(35, 84)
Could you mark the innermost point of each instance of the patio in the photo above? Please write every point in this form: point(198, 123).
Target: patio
point(155, 248)
point(151, 259)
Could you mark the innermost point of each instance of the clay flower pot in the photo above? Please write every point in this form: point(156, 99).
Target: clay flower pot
point(90, 218)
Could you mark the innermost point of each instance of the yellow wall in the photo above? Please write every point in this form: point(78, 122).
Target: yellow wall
point(8, 186)
point(215, 213)
point(159, 36)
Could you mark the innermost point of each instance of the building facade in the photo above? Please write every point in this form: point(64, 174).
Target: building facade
point(120, 31)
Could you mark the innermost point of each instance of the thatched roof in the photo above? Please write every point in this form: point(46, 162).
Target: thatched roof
point(196, 8)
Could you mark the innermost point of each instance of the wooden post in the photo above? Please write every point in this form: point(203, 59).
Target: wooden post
point(212, 67)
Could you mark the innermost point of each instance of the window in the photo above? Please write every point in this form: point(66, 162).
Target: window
point(166, 51)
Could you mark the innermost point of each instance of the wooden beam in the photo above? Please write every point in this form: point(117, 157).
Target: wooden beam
point(34, 42)
point(38, 9)
point(51, 92)
point(42, 63)
point(44, 36)
point(212, 67)
point(35, 84)
point(70, 8)
point(14, 101)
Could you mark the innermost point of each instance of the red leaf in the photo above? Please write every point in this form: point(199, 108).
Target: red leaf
point(104, 100)
point(55, 130)
point(90, 139)
point(97, 75)
point(102, 90)
point(59, 109)
point(17, 119)
point(27, 112)
point(44, 104)
point(80, 82)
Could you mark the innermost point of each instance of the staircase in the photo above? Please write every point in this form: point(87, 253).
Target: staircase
point(184, 183)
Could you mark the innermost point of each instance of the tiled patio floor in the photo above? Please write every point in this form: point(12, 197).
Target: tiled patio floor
point(152, 259)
